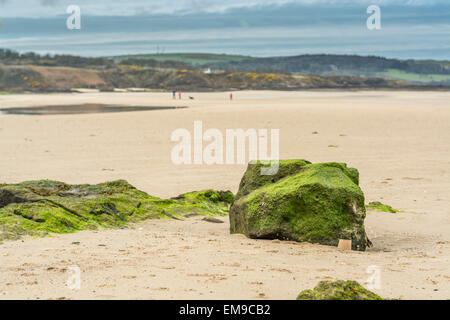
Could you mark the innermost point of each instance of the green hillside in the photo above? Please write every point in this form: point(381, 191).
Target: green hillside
point(415, 71)
point(33, 72)
point(195, 59)
point(416, 77)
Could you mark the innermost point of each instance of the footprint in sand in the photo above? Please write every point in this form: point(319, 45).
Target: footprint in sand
point(28, 275)
point(281, 270)
point(161, 289)
point(234, 265)
point(167, 268)
point(324, 277)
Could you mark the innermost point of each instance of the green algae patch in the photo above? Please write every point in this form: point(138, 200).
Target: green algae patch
point(317, 203)
point(381, 207)
point(338, 290)
point(37, 208)
point(253, 179)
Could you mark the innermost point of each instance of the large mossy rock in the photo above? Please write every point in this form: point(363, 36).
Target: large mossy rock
point(318, 203)
point(338, 290)
point(37, 208)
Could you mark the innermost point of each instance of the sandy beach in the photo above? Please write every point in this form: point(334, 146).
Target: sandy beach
point(399, 142)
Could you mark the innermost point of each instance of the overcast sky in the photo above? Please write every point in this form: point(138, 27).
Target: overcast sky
point(49, 8)
point(418, 29)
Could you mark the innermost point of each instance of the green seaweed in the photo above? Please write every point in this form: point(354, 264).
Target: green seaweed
point(381, 207)
point(37, 208)
point(253, 179)
point(338, 290)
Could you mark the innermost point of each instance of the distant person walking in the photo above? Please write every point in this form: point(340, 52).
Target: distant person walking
point(174, 94)
point(231, 96)
point(179, 94)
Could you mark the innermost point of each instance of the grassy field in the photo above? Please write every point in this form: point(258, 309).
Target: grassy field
point(191, 58)
point(8, 92)
point(414, 77)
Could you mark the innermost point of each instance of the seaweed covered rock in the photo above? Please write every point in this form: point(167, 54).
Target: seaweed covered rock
point(338, 290)
point(318, 203)
point(40, 207)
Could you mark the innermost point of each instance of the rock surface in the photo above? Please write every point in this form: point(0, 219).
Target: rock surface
point(318, 203)
point(338, 290)
point(37, 208)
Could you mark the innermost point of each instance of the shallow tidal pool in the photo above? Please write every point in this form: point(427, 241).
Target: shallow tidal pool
point(79, 109)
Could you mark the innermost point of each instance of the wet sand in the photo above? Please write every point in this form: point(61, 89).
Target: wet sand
point(399, 141)
point(76, 109)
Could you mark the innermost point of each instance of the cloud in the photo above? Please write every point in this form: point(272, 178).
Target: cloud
point(49, 8)
point(49, 3)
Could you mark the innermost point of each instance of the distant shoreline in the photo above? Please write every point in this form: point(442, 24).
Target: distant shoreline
point(201, 90)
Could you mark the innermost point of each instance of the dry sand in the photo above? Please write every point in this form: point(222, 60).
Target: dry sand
point(399, 141)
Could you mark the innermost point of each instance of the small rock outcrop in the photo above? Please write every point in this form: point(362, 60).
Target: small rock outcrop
point(338, 290)
point(318, 203)
point(37, 208)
